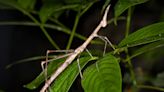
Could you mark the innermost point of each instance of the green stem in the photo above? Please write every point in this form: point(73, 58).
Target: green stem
point(73, 31)
point(48, 36)
point(128, 22)
point(40, 25)
point(150, 87)
point(15, 5)
point(51, 26)
point(43, 29)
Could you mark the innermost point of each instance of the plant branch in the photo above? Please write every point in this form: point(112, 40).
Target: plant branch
point(77, 51)
point(150, 87)
point(51, 26)
point(128, 22)
point(73, 32)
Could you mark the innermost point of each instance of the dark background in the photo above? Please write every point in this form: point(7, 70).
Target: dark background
point(19, 42)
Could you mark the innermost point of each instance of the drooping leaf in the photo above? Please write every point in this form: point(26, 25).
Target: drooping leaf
point(56, 8)
point(103, 77)
point(122, 5)
point(147, 48)
point(66, 79)
point(52, 66)
point(27, 4)
point(151, 33)
point(48, 9)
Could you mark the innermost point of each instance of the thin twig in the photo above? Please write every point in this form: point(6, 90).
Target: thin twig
point(77, 51)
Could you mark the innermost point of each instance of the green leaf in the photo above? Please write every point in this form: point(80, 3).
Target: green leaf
point(27, 4)
point(103, 77)
point(151, 33)
point(52, 66)
point(48, 9)
point(147, 48)
point(66, 79)
point(122, 5)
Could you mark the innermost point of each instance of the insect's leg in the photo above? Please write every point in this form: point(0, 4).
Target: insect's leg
point(78, 63)
point(92, 57)
point(44, 64)
point(106, 40)
point(66, 51)
point(89, 53)
point(54, 58)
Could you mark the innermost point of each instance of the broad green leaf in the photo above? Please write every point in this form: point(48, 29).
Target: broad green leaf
point(105, 76)
point(122, 5)
point(52, 66)
point(27, 4)
point(66, 79)
point(147, 48)
point(56, 8)
point(48, 9)
point(151, 33)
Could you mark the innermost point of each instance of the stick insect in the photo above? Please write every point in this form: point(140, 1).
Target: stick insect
point(77, 51)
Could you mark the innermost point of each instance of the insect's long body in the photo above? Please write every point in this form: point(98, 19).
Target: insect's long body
point(77, 51)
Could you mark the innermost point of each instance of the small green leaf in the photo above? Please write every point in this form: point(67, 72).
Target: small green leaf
point(48, 9)
point(70, 74)
point(122, 5)
point(52, 66)
point(27, 4)
point(66, 79)
point(103, 77)
point(148, 47)
point(151, 33)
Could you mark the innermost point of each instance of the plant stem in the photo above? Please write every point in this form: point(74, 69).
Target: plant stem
point(51, 26)
point(128, 22)
point(73, 31)
point(43, 30)
point(151, 87)
point(48, 36)
point(41, 27)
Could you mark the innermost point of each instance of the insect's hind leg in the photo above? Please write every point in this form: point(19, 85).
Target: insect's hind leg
point(44, 64)
point(106, 40)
